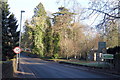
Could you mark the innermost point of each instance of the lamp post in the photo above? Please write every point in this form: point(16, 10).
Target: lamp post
point(18, 55)
point(22, 11)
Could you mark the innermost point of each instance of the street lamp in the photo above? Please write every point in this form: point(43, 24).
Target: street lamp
point(22, 11)
point(18, 55)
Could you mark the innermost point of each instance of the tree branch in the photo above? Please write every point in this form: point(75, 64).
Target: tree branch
point(117, 17)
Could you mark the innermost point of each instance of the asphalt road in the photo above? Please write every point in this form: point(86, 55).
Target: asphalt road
point(37, 68)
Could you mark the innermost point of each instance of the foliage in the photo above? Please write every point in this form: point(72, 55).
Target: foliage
point(39, 22)
point(27, 36)
point(62, 21)
point(55, 56)
point(62, 18)
point(56, 44)
point(112, 35)
point(73, 41)
point(65, 38)
point(44, 41)
point(48, 45)
point(39, 10)
point(34, 31)
point(114, 50)
point(10, 36)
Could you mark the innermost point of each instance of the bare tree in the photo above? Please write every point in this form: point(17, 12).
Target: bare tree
point(106, 10)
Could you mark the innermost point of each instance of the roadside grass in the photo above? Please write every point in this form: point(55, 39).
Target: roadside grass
point(93, 64)
point(69, 60)
point(58, 60)
point(0, 62)
point(84, 63)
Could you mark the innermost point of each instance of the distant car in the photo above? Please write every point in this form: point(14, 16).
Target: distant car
point(27, 50)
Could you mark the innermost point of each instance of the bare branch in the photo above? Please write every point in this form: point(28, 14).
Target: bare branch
point(117, 17)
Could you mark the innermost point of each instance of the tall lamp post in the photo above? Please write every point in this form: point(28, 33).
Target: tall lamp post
point(18, 55)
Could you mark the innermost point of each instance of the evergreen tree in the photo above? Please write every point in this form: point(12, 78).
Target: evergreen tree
point(39, 22)
point(56, 44)
point(62, 22)
point(10, 37)
point(62, 18)
point(51, 41)
point(28, 36)
point(48, 45)
point(39, 10)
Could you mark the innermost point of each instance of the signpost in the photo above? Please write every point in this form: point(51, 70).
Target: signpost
point(101, 49)
point(101, 46)
point(107, 56)
point(17, 50)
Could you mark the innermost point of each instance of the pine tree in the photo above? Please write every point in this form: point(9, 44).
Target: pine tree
point(10, 37)
point(39, 22)
point(62, 23)
point(39, 10)
point(27, 37)
point(62, 18)
point(56, 44)
point(48, 45)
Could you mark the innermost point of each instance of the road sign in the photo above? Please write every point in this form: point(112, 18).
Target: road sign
point(107, 56)
point(17, 50)
point(101, 46)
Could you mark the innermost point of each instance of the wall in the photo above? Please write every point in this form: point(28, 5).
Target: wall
point(8, 69)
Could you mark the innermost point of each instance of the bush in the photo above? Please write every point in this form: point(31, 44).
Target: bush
point(117, 62)
point(114, 50)
point(55, 56)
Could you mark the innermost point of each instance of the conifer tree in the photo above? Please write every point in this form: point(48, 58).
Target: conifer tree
point(62, 23)
point(39, 22)
point(10, 36)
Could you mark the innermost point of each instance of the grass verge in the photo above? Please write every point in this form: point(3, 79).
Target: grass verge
point(83, 63)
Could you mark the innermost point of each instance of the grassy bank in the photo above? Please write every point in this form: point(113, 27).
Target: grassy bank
point(83, 63)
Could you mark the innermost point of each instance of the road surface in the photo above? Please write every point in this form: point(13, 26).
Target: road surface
point(37, 68)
